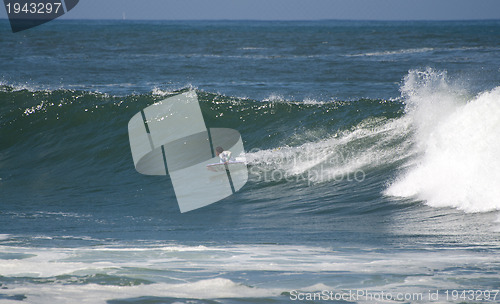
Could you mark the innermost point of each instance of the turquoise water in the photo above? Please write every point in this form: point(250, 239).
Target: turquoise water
point(371, 146)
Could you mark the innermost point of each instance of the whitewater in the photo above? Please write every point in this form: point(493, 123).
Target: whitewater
point(457, 137)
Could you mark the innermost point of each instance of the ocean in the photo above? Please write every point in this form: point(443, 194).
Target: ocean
point(372, 151)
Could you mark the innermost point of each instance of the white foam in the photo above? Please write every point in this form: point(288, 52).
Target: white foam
point(94, 293)
point(274, 98)
point(349, 152)
point(278, 98)
point(309, 101)
point(159, 92)
point(395, 52)
point(24, 86)
point(420, 50)
point(52, 262)
point(459, 142)
point(203, 273)
point(252, 48)
point(165, 92)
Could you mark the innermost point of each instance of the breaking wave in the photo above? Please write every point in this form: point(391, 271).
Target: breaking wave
point(437, 143)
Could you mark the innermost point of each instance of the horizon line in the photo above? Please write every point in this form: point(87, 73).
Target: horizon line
point(278, 20)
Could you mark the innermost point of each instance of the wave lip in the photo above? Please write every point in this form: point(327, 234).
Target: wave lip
point(458, 144)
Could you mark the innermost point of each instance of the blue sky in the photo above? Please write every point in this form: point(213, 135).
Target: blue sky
point(285, 9)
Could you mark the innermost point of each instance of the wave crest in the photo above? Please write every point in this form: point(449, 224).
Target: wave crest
point(457, 140)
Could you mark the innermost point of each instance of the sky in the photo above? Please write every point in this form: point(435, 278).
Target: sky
point(284, 9)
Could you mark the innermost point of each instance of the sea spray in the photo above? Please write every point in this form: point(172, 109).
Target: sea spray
point(373, 143)
point(458, 165)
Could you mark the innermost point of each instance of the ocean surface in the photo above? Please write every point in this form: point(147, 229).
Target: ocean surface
point(373, 151)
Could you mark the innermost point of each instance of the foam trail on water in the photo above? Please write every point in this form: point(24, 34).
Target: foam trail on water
point(458, 145)
point(346, 154)
point(112, 272)
point(97, 293)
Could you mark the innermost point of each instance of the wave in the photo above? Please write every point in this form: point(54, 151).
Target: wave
point(436, 143)
point(395, 52)
point(444, 144)
point(457, 141)
point(73, 140)
point(420, 50)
